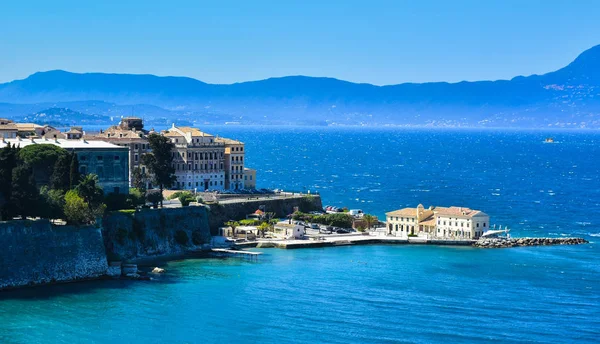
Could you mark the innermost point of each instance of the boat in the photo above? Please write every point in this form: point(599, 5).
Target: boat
point(549, 140)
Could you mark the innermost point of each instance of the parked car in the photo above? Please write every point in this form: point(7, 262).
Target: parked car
point(342, 231)
point(313, 226)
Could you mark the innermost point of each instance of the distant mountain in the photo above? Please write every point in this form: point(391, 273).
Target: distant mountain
point(568, 97)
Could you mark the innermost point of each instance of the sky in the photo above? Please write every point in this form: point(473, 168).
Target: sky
point(226, 41)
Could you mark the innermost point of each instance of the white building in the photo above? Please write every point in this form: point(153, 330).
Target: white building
point(290, 231)
point(437, 222)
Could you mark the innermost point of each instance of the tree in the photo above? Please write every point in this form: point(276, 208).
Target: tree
point(233, 225)
point(60, 179)
point(369, 219)
point(8, 161)
point(42, 159)
point(92, 194)
point(265, 226)
point(160, 160)
point(53, 202)
point(138, 179)
point(74, 175)
point(154, 197)
point(24, 196)
point(76, 210)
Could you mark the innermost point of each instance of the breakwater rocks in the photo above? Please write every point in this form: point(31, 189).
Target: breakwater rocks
point(515, 242)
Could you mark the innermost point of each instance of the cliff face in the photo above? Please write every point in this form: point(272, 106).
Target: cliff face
point(221, 213)
point(152, 232)
point(35, 252)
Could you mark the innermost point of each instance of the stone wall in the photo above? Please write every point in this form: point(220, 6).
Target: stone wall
point(152, 232)
point(221, 213)
point(35, 252)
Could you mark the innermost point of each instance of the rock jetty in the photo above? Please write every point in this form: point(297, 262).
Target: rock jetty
point(514, 242)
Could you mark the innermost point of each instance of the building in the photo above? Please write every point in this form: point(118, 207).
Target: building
point(463, 223)
point(106, 160)
point(30, 129)
point(289, 231)
point(8, 129)
point(234, 163)
point(249, 178)
point(198, 159)
point(128, 133)
point(437, 222)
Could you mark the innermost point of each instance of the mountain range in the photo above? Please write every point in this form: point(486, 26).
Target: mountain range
point(568, 97)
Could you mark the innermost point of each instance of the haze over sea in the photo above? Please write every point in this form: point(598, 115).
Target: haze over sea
point(370, 294)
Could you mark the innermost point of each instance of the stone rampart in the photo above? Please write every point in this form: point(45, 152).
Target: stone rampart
point(36, 252)
point(153, 232)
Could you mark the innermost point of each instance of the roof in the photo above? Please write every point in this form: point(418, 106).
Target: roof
point(27, 126)
point(9, 126)
point(74, 131)
point(228, 141)
point(193, 131)
point(67, 144)
point(403, 212)
point(457, 211)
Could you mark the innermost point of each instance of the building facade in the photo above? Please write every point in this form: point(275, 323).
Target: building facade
point(234, 163)
point(249, 178)
point(106, 160)
point(128, 133)
point(8, 129)
point(437, 222)
point(198, 159)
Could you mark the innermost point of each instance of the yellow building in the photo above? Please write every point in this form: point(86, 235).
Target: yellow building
point(249, 178)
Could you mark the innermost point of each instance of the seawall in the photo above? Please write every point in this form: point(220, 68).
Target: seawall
point(36, 252)
point(238, 209)
point(154, 232)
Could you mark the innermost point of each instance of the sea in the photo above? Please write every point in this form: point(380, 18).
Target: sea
point(370, 294)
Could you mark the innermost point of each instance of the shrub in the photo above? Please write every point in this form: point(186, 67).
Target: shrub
point(154, 197)
point(186, 198)
point(115, 201)
point(76, 210)
point(181, 237)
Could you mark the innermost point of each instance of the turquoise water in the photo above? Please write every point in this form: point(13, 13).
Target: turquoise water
point(370, 294)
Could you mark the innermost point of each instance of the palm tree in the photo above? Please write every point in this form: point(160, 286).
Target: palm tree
point(369, 219)
point(233, 225)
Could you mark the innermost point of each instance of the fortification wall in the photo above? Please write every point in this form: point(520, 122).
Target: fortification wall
point(152, 232)
point(221, 213)
point(35, 252)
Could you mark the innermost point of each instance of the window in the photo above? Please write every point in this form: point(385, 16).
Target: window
point(468, 223)
point(83, 158)
point(144, 169)
point(135, 158)
point(250, 177)
point(136, 146)
point(477, 224)
point(116, 157)
point(484, 224)
point(99, 157)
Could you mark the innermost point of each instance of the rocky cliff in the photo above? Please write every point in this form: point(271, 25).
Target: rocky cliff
point(35, 252)
point(152, 232)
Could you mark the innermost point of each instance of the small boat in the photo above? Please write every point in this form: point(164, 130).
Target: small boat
point(549, 140)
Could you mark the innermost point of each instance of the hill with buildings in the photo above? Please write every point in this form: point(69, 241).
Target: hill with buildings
point(568, 97)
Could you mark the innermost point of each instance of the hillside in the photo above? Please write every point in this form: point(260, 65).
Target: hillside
point(569, 97)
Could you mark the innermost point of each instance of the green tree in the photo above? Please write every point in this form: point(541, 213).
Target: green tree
point(53, 202)
point(42, 159)
point(8, 162)
point(155, 197)
point(264, 227)
point(24, 196)
point(160, 160)
point(369, 219)
point(233, 225)
point(74, 175)
point(139, 179)
point(76, 210)
point(92, 194)
point(60, 179)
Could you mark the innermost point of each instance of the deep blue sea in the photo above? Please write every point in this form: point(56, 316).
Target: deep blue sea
point(370, 294)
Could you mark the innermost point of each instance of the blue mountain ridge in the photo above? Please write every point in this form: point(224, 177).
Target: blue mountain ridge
point(567, 97)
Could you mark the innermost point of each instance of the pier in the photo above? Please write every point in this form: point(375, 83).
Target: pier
point(222, 252)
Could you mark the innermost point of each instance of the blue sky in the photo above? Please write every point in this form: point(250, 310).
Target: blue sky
point(379, 42)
